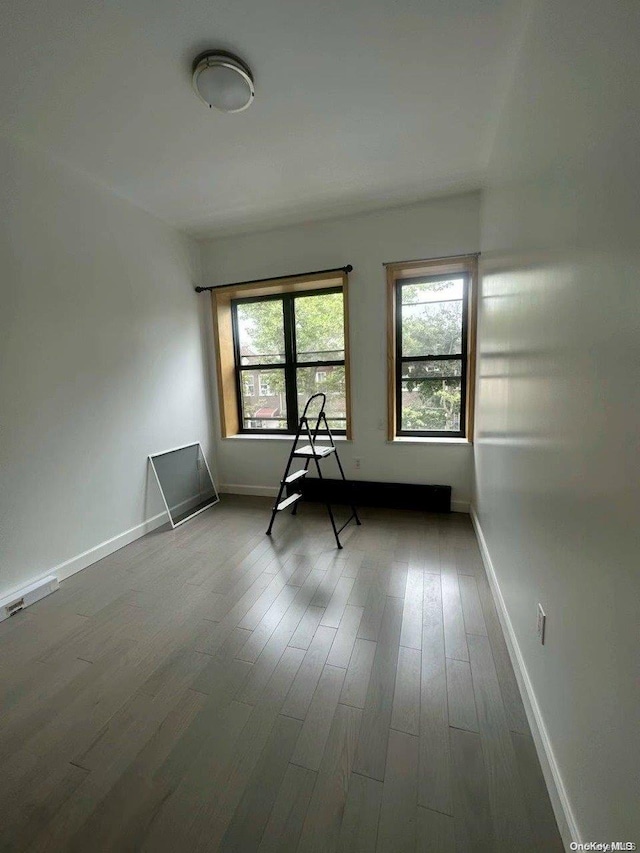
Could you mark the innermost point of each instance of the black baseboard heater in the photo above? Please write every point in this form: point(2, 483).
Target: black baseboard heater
point(364, 493)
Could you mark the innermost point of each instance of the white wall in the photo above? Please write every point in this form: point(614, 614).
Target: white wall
point(101, 362)
point(559, 402)
point(441, 227)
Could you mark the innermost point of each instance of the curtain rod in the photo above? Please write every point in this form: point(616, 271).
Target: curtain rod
point(346, 269)
point(432, 260)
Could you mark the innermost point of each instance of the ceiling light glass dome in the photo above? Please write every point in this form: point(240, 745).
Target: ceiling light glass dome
point(223, 81)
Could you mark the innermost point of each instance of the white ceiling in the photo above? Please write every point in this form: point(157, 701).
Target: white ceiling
point(359, 103)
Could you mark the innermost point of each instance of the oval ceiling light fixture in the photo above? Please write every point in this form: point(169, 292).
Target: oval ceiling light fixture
point(223, 81)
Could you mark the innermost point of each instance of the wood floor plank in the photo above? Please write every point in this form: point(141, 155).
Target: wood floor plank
point(141, 716)
point(332, 567)
point(298, 567)
point(405, 716)
point(208, 826)
point(354, 558)
point(126, 781)
point(411, 634)
point(471, 607)
point(461, 701)
point(220, 630)
point(28, 704)
point(359, 830)
point(20, 821)
point(374, 604)
point(255, 614)
point(266, 663)
point(317, 725)
point(174, 802)
point(466, 552)
point(306, 629)
point(284, 827)
point(337, 603)
point(345, 638)
point(323, 822)
point(454, 629)
point(303, 688)
point(259, 638)
point(509, 689)
point(473, 823)
point(434, 780)
point(398, 813)
point(372, 745)
point(539, 809)
point(397, 579)
point(222, 679)
point(362, 583)
point(356, 682)
point(510, 821)
point(250, 818)
point(435, 832)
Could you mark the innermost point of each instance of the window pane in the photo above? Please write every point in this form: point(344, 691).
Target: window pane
point(432, 318)
point(330, 380)
point(431, 404)
point(429, 369)
point(264, 404)
point(320, 327)
point(261, 332)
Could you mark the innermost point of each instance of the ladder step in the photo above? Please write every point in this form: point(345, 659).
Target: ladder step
point(295, 476)
point(288, 501)
point(316, 451)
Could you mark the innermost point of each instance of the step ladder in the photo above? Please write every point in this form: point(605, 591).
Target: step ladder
point(311, 451)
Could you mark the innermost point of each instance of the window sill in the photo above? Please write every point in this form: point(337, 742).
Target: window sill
point(249, 437)
point(403, 439)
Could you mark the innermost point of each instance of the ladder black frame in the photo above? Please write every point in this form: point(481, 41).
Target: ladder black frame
point(323, 451)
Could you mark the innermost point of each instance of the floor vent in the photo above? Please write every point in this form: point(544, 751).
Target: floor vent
point(29, 595)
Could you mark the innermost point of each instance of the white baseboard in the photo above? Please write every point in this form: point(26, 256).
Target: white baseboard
point(271, 492)
point(557, 791)
point(87, 558)
point(258, 491)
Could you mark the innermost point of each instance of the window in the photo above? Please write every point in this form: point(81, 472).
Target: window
point(294, 343)
point(277, 342)
point(430, 364)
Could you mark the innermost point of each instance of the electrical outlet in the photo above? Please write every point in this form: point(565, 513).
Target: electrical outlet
point(356, 462)
point(542, 621)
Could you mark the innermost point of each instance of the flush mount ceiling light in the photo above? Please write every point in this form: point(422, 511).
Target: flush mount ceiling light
point(223, 81)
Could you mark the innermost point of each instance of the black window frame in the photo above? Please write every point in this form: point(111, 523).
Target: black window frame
point(462, 357)
point(290, 364)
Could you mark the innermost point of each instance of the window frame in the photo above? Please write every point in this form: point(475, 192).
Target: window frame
point(403, 359)
point(225, 361)
point(289, 366)
point(413, 272)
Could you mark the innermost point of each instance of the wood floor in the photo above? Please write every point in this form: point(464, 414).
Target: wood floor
point(210, 688)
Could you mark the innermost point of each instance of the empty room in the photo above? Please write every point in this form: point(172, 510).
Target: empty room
point(319, 418)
